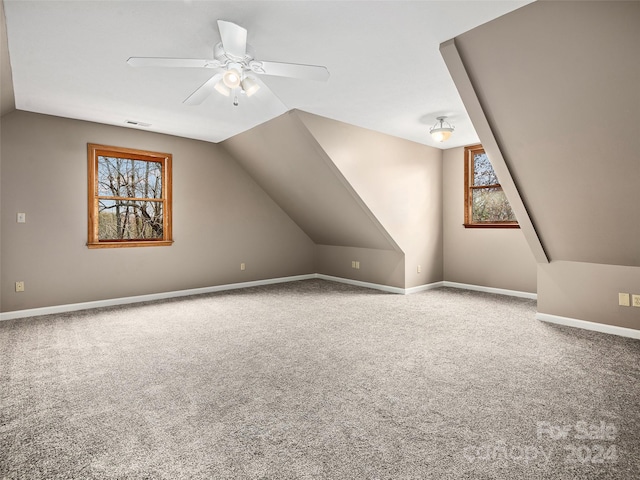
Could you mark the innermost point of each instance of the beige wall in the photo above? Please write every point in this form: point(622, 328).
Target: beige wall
point(221, 218)
point(559, 83)
point(498, 258)
point(588, 291)
point(399, 181)
point(7, 100)
point(564, 106)
point(384, 267)
point(301, 176)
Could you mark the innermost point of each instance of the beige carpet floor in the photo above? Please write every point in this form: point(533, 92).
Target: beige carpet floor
point(316, 380)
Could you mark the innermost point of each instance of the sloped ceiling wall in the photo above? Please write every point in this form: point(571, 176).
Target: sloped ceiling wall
point(7, 99)
point(560, 85)
point(287, 162)
point(399, 180)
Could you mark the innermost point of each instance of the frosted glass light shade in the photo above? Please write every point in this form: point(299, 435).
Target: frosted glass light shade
point(441, 131)
point(441, 134)
point(250, 86)
point(222, 89)
point(231, 78)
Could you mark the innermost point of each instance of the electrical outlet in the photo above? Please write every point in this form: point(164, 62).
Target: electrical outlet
point(636, 300)
point(419, 269)
point(19, 286)
point(21, 218)
point(623, 299)
point(243, 266)
point(357, 265)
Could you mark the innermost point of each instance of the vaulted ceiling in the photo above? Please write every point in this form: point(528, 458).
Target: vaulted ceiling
point(386, 73)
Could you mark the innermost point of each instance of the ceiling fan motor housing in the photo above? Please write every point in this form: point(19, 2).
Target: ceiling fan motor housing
point(224, 57)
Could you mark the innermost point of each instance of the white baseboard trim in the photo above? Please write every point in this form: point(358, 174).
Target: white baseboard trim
point(358, 283)
point(384, 288)
point(596, 327)
point(422, 288)
point(499, 291)
point(33, 312)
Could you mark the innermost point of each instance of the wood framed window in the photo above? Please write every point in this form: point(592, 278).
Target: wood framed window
point(485, 204)
point(129, 197)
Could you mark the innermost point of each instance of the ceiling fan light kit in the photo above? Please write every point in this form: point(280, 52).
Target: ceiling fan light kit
point(233, 57)
point(222, 89)
point(250, 86)
point(442, 130)
point(231, 78)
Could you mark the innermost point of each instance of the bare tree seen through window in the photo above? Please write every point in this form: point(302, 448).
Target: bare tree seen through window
point(486, 205)
point(129, 197)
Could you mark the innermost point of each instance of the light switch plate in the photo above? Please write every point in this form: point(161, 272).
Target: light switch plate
point(623, 299)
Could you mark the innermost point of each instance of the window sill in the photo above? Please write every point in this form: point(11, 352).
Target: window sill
point(126, 244)
point(491, 225)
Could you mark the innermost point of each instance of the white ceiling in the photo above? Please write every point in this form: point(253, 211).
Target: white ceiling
point(68, 59)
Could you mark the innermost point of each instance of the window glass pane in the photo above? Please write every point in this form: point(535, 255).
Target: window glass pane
point(483, 173)
point(129, 220)
point(125, 177)
point(491, 205)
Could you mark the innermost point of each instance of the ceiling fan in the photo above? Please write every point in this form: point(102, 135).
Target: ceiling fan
point(235, 62)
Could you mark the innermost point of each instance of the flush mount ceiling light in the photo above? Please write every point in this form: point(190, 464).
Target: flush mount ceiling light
point(442, 130)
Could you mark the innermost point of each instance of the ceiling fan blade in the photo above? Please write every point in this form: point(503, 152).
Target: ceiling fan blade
point(295, 70)
point(234, 39)
point(173, 62)
point(203, 91)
